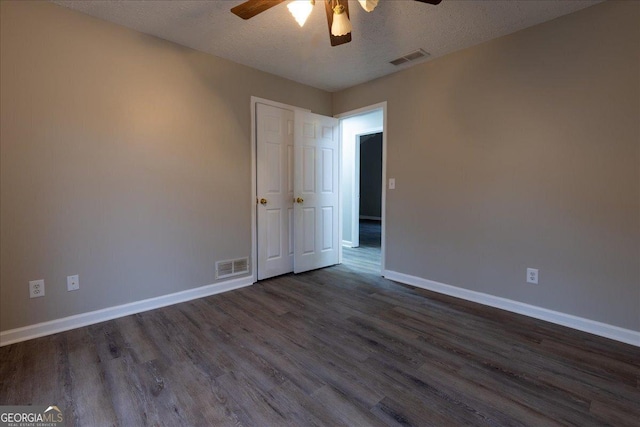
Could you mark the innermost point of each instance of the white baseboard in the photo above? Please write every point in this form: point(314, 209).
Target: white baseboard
point(591, 326)
point(374, 218)
point(79, 320)
point(347, 243)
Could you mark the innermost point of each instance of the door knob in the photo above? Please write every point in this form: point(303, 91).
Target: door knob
point(263, 201)
point(299, 200)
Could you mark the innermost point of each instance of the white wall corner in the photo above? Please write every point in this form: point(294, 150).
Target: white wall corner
point(617, 333)
point(79, 320)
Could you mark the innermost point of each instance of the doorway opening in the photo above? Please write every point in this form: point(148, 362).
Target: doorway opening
point(363, 189)
point(340, 220)
point(368, 162)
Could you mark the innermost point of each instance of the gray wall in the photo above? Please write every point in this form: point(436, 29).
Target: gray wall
point(522, 152)
point(371, 175)
point(124, 159)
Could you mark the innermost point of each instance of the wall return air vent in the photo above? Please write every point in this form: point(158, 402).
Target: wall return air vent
point(232, 267)
point(416, 54)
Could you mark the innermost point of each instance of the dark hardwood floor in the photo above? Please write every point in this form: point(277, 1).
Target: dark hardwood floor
point(337, 346)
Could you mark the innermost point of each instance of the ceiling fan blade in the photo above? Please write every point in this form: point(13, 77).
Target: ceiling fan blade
point(336, 40)
point(251, 8)
point(433, 2)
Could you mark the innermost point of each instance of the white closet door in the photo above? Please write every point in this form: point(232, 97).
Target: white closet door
point(275, 153)
point(316, 165)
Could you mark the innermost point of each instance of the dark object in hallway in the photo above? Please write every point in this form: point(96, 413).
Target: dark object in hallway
point(337, 346)
point(371, 176)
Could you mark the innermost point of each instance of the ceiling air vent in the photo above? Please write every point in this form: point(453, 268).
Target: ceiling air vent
point(399, 61)
point(232, 267)
point(410, 57)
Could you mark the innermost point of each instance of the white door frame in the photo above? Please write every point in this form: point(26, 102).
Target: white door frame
point(357, 112)
point(254, 194)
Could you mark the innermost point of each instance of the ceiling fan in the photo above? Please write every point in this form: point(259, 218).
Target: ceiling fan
point(337, 13)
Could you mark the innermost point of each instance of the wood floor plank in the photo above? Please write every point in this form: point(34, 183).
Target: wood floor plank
point(285, 363)
point(616, 415)
point(340, 406)
point(127, 396)
point(411, 411)
point(202, 400)
point(492, 403)
point(253, 400)
point(441, 398)
point(90, 401)
point(135, 338)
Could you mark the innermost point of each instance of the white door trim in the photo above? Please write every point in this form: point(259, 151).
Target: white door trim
point(254, 194)
point(357, 112)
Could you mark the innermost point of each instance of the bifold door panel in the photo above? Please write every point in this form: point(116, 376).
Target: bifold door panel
point(274, 150)
point(316, 163)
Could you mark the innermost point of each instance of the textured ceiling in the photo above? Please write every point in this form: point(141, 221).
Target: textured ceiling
point(273, 41)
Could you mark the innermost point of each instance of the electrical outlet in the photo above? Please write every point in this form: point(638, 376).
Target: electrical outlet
point(532, 275)
point(36, 288)
point(73, 283)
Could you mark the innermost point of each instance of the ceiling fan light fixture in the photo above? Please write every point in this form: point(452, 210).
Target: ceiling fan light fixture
point(341, 24)
point(301, 9)
point(368, 5)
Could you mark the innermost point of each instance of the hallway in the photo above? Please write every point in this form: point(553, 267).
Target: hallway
point(366, 257)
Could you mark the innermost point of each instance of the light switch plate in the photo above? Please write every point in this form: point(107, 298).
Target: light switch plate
point(392, 183)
